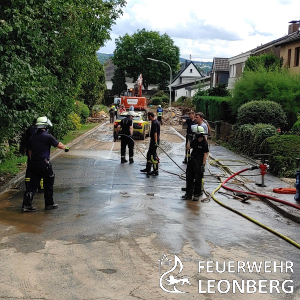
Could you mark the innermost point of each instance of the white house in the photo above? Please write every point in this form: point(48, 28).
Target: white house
point(186, 77)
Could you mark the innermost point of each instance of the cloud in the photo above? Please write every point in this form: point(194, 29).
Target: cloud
point(209, 28)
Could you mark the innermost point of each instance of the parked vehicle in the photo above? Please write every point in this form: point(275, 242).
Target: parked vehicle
point(141, 126)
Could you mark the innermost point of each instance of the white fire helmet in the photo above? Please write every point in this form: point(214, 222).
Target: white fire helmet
point(131, 113)
point(43, 122)
point(198, 130)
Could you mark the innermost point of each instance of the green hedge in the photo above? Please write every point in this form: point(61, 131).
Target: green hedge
point(248, 138)
point(215, 108)
point(283, 150)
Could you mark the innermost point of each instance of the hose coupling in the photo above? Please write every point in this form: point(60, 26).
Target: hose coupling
point(253, 168)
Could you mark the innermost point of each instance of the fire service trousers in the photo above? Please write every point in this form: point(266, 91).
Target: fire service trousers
point(40, 169)
point(124, 142)
point(152, 158)
point(194, 177)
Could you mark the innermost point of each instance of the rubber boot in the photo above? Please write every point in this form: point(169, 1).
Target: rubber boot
point(27, 203)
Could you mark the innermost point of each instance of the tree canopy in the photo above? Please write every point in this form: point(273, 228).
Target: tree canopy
point(48, 59)
point(132, 51)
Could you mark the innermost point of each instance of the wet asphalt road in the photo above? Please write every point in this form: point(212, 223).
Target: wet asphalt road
point(114, 224)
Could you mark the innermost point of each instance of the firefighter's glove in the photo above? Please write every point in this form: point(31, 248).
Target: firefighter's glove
point(67, 149)
point(202, 168)
point(156, 144)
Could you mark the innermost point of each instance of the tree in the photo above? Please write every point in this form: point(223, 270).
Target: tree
point(132, 51)
point(219, 91)
point(270, 62)
point(119, 81)
point(280, 86)
point(47, 54)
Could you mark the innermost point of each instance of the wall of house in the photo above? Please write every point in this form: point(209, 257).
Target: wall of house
point(236, 67)
point(274, 50)
point(291, 63)
point(181, 92)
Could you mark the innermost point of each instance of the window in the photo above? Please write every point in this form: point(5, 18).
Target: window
point(289, 58)
point(191, 70)
point(297, 56)
point(232, 70)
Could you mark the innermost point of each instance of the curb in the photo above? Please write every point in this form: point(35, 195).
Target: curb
point(20, 176)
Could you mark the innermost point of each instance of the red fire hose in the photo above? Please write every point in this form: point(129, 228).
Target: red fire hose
point(255, 194)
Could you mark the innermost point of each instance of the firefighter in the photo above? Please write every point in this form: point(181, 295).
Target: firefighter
point(159, 114)
point(189, 134)
point(196, 165)
point(112, 114)
point(152, 159)
point(39, 155)
point(24, 143)
point(126, 138)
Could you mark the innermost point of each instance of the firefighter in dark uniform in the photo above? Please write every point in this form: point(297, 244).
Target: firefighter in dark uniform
point(126, 138)
point(196, 165)
point(189, 134)
point(152, 159)
point(24, 144)
point(39, 154)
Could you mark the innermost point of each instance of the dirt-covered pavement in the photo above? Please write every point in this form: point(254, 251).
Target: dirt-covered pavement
point(119, 234)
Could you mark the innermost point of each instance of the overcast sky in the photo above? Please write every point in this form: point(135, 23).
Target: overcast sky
point(210, 28)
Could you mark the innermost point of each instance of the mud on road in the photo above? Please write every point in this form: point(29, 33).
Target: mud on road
point(114, 225)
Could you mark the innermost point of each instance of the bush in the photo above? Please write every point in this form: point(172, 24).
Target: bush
point(100, 107)
point(82, 110)
point(156, 101)
point(241, 137)
point(74, 121)
point(218, 91)
point(267, 112)
point(259, 134)
point(165, 99)
point(159, 94)
point(181, 99)
point(283, 150)
point(215, 108)
point(280, 86)
point(248, 138)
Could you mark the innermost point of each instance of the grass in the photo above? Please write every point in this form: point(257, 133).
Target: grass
point(73, 134)
point(12, 165)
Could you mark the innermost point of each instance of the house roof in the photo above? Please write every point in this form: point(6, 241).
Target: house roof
point(295, 36)
point(220, 64)
point(183, 69)
point(189, 84)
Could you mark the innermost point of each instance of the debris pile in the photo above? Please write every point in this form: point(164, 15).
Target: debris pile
point(98, 117)
point(172, 116)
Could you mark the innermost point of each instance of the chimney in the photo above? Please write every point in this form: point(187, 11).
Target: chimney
point(294, 26)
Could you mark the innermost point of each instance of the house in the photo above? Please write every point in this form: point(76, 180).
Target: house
point(236, 67)
point(186, 77)
point(219, 71)
point(290, 48)
point(109, 69)
point(237, 63)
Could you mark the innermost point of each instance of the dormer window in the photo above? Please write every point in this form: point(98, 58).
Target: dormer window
point(191, 70)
